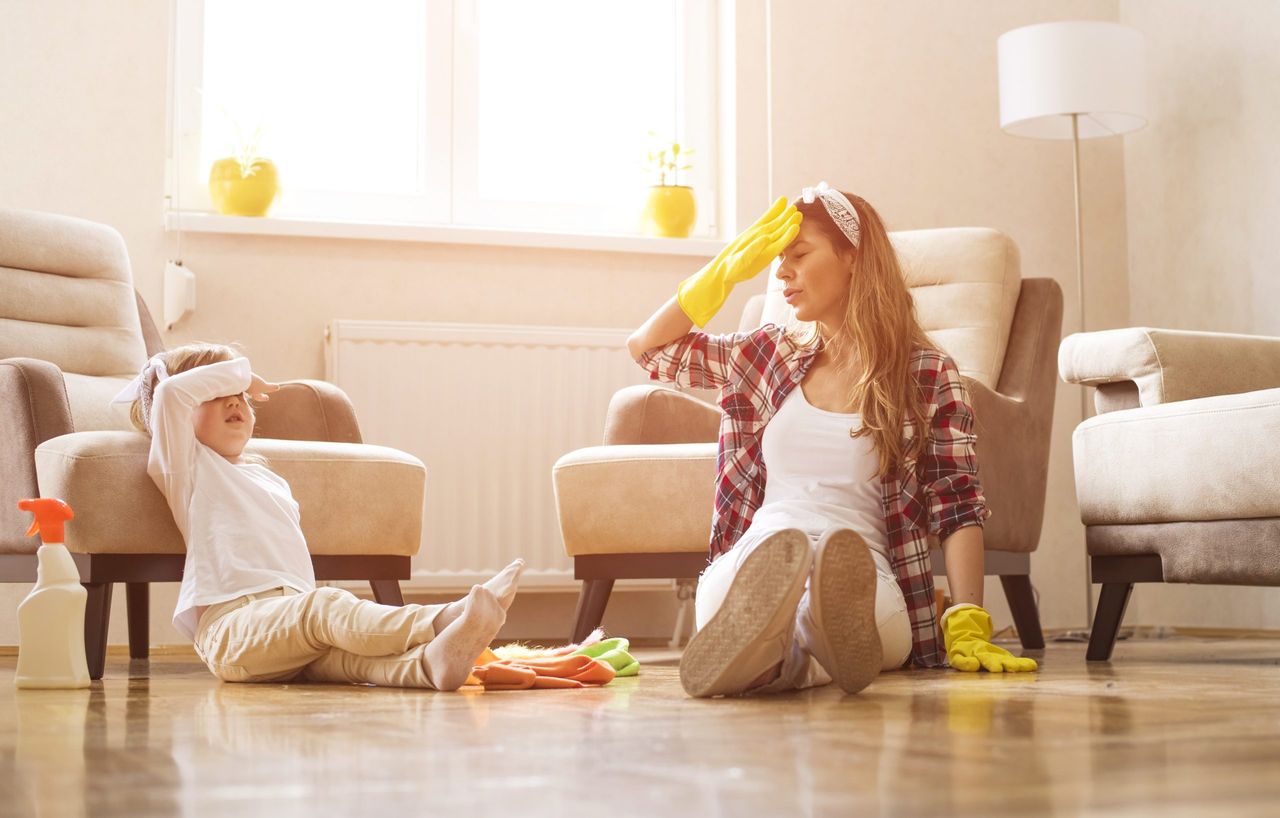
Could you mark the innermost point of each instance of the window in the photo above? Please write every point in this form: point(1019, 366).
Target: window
point(494, 113)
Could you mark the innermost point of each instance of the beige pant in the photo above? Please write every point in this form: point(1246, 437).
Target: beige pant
point(325, 635)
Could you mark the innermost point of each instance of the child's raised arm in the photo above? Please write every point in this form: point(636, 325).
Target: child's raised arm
point(173, 406)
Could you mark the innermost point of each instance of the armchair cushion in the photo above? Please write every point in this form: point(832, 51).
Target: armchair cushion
point(66, 295)
point(91, 408)
point(355, 499)
point(1193, 460)
point(965, 282)
point(636, 499)
point(1170, 365)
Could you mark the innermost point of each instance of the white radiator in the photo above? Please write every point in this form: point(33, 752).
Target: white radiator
point(488, 409)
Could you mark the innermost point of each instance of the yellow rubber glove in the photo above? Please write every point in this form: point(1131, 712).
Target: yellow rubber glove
point(702, 294)
point(966, 631)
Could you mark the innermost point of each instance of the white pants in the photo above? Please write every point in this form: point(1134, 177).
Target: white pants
point(799, 668)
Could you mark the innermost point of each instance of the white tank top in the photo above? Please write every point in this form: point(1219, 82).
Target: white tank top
point(817, 476)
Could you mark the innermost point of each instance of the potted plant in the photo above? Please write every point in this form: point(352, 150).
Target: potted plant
point(670, 210)
point(244, 184)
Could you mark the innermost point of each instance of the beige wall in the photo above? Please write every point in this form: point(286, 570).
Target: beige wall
point(1203, 185)
point(894, 100)
point(84, 112)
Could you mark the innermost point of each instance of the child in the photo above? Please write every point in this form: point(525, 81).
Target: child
point(249, 598)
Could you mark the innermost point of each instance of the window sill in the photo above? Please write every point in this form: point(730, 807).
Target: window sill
point(195, 222)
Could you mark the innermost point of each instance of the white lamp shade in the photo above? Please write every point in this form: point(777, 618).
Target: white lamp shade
point(1050, 71)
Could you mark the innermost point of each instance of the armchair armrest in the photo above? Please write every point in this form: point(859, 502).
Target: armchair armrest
point(1141, 366)
point(1013, 463)
point(308, 410)
point(658, 414)
point(636, 499)
point(33, 408)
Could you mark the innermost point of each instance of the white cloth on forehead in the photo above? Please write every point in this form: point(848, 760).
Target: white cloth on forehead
point(134, 389)
point(838, 207)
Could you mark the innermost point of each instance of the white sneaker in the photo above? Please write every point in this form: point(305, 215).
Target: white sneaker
point(842, 605)
point(750, 632)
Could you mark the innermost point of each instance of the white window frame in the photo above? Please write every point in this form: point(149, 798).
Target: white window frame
point(696, 111)
point(431, 205)
point(447, 118)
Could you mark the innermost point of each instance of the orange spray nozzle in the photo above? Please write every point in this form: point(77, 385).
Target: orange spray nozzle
point(50, 513)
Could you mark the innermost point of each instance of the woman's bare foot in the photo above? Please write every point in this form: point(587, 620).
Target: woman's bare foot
point(449, 657)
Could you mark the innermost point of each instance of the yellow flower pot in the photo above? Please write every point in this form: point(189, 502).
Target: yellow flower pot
point(669, 212)
point(235, 194)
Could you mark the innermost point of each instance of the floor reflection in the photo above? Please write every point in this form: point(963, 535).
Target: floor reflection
point(1155, 727)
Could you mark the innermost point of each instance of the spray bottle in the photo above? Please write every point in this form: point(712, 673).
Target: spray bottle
point(51, 618)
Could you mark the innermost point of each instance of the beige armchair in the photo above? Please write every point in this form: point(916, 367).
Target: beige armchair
point(72, 332)
point(1177, 475)
point(640, 505)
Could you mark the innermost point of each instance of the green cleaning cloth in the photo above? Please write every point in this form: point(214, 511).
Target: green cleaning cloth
point(614, 652)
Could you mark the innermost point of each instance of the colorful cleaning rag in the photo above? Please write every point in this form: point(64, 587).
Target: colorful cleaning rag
point(593, 662)
point(613, 651)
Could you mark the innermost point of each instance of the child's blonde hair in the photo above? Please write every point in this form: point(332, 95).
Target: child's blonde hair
point(178, 359)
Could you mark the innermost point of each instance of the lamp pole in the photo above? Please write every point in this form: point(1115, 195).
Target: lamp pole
point(1049, 72)
point(1084, 390)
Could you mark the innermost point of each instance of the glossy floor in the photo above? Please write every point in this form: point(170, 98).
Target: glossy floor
point(1170, 727)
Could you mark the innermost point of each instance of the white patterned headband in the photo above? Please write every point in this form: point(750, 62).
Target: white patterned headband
point(838, 207)
point(134, 390)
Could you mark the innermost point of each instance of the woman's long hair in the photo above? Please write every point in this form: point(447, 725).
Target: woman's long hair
point(879, 335)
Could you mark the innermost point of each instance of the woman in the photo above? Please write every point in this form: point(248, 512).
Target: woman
point(846, 441)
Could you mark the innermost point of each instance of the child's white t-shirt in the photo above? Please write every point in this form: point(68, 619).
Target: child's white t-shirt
point(817, 476)
point(239, 520)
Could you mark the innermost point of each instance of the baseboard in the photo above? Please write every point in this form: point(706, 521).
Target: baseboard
point(1228, 633)
point(123, 650)
point(452, 588)
point(1139, 632)
point(189, 651)
point(1164, 631)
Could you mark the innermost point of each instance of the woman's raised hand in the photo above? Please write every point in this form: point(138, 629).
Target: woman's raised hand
point(703, 294)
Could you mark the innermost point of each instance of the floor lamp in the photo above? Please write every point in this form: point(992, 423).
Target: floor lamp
point(1073, 80)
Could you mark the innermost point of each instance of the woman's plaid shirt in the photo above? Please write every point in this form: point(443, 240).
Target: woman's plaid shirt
point(755, 371)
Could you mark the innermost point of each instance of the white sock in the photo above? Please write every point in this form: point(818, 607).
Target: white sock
point(502, 585)
point(449, 657)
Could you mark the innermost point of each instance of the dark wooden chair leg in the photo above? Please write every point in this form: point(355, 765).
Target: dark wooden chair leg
point(387, 591)
point(97, 616)
point(138, 605)
point(1022, 604)
point(592, 601)
point(1106, 620)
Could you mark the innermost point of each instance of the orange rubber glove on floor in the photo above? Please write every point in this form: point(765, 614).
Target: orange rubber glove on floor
point(520, 667)
point(543, 673)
